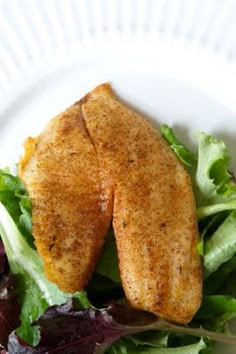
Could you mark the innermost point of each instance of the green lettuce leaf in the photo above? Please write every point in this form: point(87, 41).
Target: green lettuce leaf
point(216, 311)
point(213, 209)
point(35, 292)
point(221, 246)
point(15, 198)
point(108, 262)
point(215, 280)
point(217, 305)
point(127, 347)
point(213, 180)
point(151, 339)
point(214, 188)
point(184, 154)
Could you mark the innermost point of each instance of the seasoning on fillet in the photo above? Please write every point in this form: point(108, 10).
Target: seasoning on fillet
point(100, 160)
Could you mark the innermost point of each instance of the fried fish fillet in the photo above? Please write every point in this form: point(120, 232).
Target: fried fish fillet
point(71, 207)
point(101, 159)
point(154, 216)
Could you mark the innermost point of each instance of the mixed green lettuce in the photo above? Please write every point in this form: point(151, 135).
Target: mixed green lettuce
point(65, 329)
point(108, 258)
point(42, 304)
point(34, 291)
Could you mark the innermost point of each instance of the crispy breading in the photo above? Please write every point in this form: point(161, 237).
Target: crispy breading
point(71, 206)
point(154, 215)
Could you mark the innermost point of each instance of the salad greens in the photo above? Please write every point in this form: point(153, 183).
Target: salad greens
point(221, 247)
point(108, 257)
point(16, 200)
point(187, 157)
point(66, 329)
point(35, 292)
point(53, 320)
point(213, 179)
point(129, 347)
point(216, 279)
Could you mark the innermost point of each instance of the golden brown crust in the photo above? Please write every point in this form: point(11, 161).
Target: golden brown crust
point(71, 207)
point(154, 214)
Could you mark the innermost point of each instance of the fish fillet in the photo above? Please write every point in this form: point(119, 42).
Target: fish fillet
point(154, 216)
point(100, 160)
point(71, 207)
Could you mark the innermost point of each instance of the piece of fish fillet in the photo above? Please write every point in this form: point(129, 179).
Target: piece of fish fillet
point(154, 214)
point(71, 204)
point(97, 155)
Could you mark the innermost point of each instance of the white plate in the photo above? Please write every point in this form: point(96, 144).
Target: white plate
point(173, 60)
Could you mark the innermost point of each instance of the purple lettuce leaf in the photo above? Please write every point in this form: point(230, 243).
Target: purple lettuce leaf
point(9, 309)
point(3, 260)
point(65, 329)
